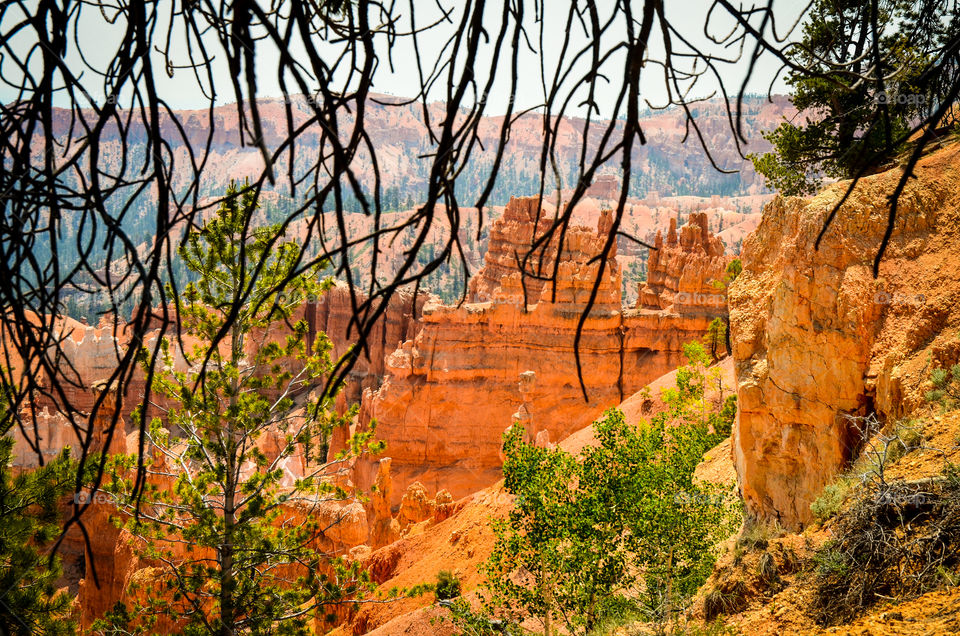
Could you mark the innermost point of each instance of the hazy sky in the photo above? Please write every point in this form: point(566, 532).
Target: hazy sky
point(99, 40)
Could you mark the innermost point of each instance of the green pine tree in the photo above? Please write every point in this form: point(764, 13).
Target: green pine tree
point(29, 523)
point(715, 337)
point(240, 551)
point(846, 126)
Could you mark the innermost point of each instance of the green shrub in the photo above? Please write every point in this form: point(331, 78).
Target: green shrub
point(728, 597)
point(830, 562)
point(828, 504)
point(757, 535)
point(722, 422)
point(622, 520)
point(448, 585)
point(946, 387)
point(907, 438)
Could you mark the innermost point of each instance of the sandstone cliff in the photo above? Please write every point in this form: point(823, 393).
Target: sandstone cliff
point(452, 389)
point(331, 315)
point(816, 337)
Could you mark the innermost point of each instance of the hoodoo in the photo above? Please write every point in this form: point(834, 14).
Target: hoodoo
point(451, 390)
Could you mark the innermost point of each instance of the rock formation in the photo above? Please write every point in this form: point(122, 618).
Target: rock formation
point(680, 271)
point(91, 354)
point(105, 548)
point(817, 339)
point(524, 415)
point(331, 314)
point(415, 506)
point(605, 186)
point(451, 390)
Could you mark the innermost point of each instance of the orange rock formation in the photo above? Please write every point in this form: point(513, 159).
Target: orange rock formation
point(679, 272)
point(452, 389)
point(93, 353)
point(816, 338)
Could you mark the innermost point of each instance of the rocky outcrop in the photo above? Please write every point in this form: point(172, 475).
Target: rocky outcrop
point(817, 339)
point(605, 186)
point(415, 506)
point(331, 314)
point(108, 557)
point(680, 272)
point(91, 354)
point(46, 434)
point(519, 239)
point(452, 390)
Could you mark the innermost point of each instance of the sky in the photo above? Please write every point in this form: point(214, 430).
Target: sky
point(99, 33)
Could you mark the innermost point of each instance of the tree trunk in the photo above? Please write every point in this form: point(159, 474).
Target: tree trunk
point(227, 600)
point(726, 334)
point(227, 608)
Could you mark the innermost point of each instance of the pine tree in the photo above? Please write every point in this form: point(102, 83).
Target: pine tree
point(715, 337)
point(841, 129)
point(240, 549)
point(29, 523)
point(734, 268)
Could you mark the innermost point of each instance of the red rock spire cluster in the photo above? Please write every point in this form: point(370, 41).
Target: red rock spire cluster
point(451, 390)
point(681, 271)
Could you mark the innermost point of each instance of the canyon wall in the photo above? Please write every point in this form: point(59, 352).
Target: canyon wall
point(452, 389)
point(817, 340)
point(456, 379)
point(331, 315)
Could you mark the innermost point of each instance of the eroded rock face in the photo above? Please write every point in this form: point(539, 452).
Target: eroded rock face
point(816, 338)
point(93, 353)
point(415, 506)
point(680, 272)
point(452, 390)
point(331, 315)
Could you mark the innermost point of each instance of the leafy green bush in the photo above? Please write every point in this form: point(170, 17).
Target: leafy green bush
point(828, 504)
point(621, 525)
point(722, 422)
